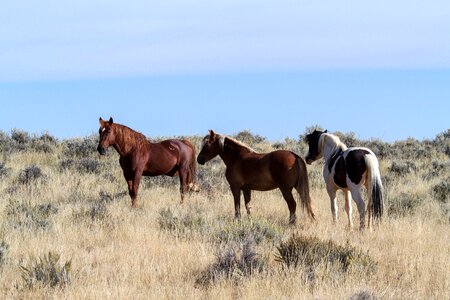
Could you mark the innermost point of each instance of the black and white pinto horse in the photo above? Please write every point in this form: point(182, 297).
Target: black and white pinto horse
point(347, 169)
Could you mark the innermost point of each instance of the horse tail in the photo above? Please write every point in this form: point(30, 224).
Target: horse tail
point(374, 187)
point(192, 168)
point(303, 187)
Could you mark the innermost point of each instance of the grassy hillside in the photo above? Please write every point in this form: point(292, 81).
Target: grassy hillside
point(67, 229)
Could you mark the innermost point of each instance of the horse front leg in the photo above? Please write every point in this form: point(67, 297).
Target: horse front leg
point(333, 202)
point(134, 189)
point(237, 201)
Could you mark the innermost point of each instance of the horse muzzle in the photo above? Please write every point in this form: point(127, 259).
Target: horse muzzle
point(201, 160)
point(101, 150)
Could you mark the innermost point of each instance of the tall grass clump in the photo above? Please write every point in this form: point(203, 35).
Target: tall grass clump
point(4, 171)
point(182, 224)
point(79, 148)
point(25, 215)
point(258, 229)
point(234, 263)
point(310, 252)
point(31, 174)
point(441, 191)
point(4, 249)
point(46, 271)
point(404, 204)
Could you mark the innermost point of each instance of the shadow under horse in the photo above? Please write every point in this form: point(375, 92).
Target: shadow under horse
point(139, 157)
point(247, 170)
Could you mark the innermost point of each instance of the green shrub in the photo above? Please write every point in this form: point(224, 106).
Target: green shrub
point(4, 248)
point(237, 232)
point(4, 171)
point(39, 145)
point(88, 165)
point(402, 168)
point(404, 204)
point(80, 148)
point(310, 252)
point(441, 191)
point(365, 294)
point(184, 224)
point(248, 138)
point(46, 271)
point(22, 214)
point(66, 163)
point(31, 174)
point(20, 137)
point(235, 263)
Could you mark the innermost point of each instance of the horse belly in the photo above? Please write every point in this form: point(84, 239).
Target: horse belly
point(260, 182)
point(160, 166)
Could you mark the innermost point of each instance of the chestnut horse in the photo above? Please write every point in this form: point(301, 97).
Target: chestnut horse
point(140, 157)
point(247, 170)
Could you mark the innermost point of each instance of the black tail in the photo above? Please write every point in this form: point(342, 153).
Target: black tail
point(377, 200)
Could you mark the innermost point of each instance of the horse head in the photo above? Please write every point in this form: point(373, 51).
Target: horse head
point(107, 137)
point(315, 146)
point(212, 145)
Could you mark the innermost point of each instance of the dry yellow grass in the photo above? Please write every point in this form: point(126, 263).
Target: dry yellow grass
point(124, 253)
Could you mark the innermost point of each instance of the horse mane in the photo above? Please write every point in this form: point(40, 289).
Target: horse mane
point(130, 136)
point(338, 144)
point(240, 144)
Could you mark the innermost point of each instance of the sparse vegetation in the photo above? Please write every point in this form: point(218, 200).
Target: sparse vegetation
point(4, 171)
point(46, 271)
point(60, 200)
point(31, 174)
point(441, 191)
point(404, 204)
point(4, 248)
point(235, 263)
point(310, 252)
point(27, 216)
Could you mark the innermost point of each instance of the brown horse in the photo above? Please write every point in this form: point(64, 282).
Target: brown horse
point(140, 157)
point(247, 170)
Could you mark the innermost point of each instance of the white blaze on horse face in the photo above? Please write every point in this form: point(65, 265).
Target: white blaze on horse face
point(104, 128)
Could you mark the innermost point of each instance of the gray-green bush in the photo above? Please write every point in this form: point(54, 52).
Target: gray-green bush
point(46, 271)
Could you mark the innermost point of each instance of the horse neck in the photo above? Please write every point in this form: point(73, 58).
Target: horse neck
point(125, 139)
point(231, 150)
point(332, 146)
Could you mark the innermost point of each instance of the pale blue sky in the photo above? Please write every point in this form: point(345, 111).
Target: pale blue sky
point(378, 68)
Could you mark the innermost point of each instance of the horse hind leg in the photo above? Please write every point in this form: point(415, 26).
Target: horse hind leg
point(247, 199)
point(356, 195)
point(184, 176)
point(348, 208)
point(292, 205)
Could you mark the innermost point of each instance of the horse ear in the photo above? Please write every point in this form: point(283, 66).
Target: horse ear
point(325, 131)
point(110, 120)
point(211, 133)
point(102, 123)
